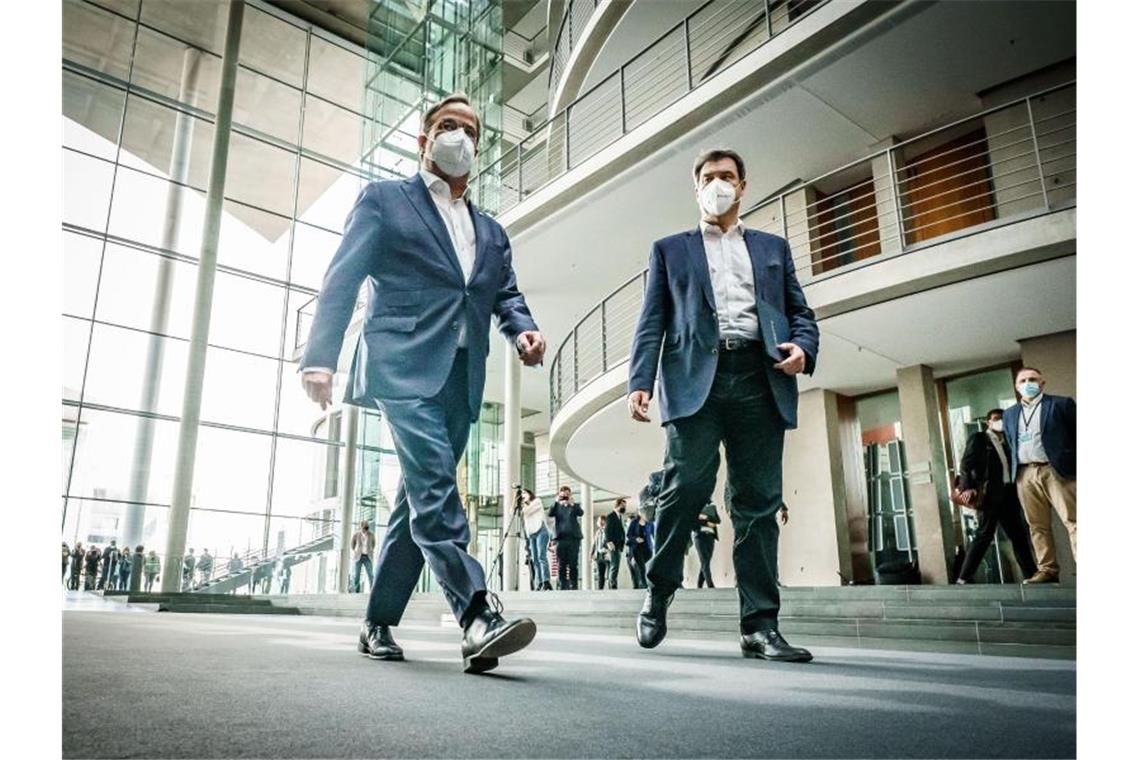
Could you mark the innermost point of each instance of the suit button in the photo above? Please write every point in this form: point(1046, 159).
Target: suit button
point(454, 325)
point(714, 351)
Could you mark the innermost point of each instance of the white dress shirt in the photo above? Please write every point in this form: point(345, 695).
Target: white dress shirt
point(734, 287)
point(1029, 445)
point(460, 228)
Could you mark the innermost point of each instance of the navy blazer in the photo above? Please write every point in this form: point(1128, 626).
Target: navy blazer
point(680, 311)
point(1058, 434)
point(395, 240)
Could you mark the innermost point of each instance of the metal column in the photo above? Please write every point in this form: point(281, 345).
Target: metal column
point(179, 518)
point(512, 462)
point(586, 561)
point(348, 498)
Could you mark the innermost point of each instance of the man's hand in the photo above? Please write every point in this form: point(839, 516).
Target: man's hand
point(783, 517)
point(531, 347)
point(318, 384)
point(641, 540)
point(639, 405)
point(794, 364)
point(969, 495)
point(610, 545)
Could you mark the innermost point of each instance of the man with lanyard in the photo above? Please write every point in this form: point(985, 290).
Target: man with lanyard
point(1043, 462)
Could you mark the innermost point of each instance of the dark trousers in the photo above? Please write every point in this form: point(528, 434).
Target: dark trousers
point(705, 544)
point(600, 566)
point(614, 566)
point(740, 413)
point(429, 521)
point(567, 551)
point(1002, 510)
point(636, 561)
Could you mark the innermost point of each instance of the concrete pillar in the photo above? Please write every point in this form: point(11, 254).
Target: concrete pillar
point(887, 204)
point(512, 465)
point(855, 479)
point(179, 517)
point(585, 562)
point(927, 477)
point(814, 545)
point(135, 517)
point(348, 499)
point(799, 210)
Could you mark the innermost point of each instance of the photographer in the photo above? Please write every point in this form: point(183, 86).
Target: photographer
point(568, 535)
point(537, 538)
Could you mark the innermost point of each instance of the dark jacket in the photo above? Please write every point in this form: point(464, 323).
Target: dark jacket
point(566, 524)
point(615, 534)
point(1058, 434)
point(713, 520)
point(678, 327)
point(77, 556)
point(982, 465)
point(635, 531)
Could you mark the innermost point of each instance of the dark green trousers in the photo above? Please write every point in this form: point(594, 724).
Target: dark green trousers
point(740, 413)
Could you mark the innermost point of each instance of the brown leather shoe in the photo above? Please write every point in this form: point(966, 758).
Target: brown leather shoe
point(1042, 576)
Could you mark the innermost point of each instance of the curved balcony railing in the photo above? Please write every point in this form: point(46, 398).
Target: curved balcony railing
point(575, 17)
point(704, 43)
point(1003, 165)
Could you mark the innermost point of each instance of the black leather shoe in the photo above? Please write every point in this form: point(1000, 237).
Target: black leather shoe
point(651, 619)
point(376, 642)
point(770, 645)
point(489, 636)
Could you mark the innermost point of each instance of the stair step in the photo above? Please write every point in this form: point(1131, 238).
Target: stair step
point(229, 609)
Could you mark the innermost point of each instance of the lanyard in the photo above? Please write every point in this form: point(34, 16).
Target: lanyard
point(1025, 421)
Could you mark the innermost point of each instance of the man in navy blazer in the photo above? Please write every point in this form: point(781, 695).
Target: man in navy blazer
point(437, 269)
point(1042, 431)
point(736, 329)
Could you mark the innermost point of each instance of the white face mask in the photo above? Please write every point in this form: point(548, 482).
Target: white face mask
point(717, 197)
point(997, 426)
point(453, 152)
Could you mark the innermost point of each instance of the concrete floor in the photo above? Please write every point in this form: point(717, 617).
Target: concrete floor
point(169, 685)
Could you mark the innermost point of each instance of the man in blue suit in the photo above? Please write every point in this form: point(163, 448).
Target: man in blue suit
point(736, 329)
point(1042, 431)
point(436, 269)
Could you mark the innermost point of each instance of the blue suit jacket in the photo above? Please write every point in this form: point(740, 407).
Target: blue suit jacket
point(680, 311)
point(395, 240)
point(1058, 434)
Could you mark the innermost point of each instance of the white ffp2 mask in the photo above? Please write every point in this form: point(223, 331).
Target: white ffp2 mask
point(453, 152)
point(717, 197)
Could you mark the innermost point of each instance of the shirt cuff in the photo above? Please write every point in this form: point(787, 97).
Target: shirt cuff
point(318, 369)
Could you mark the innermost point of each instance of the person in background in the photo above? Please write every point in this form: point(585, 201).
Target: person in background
point(150, 569)
point(188, 570)
point(599, 552)
point(984, 477)
point(137, 563)
point(363, 544)
point(235, 565)
point(1043, 464)
point(205, 567)
point(126, 564)
point(615, 541)
point(90, 568)
point(77, 556)
point(110, 556)
point(552, 556)
point(537, 537)
point(66, 562)
point(638, 548)
point(705, 538)
point(568, 534)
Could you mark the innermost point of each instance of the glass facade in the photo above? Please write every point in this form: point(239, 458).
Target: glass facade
point(140, 83)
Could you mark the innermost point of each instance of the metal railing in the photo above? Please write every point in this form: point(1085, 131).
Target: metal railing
point(526, 50)
point(518, 123)
point(704, 43)
point(1002, 165)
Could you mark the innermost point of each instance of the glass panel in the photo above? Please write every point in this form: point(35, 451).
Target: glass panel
point(223, 534)
point(201, 24)
point(313, 249)
point(172, 68)
point(117, 371)
point(128, 287)
point(97, 39)
point(80, 273)
point(336, 74)
point(92, 114)
point(103, 462)
point(148, 143)
point(86, 191)
point(273, 46)
point(260, 174)
point(267, 106)
point(139, 209)
point(235, 300)
point(299, 476)
point(253, 240)
point(968, 399)
point(303, 302)
point(326, 194)
point(76, 333)
point(332, 131)
point(231, 470)
point(239, 389)
point(298, 415)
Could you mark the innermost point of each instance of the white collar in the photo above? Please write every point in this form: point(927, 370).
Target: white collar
point(1029, 404)
point(438, 186)
point(709, 228)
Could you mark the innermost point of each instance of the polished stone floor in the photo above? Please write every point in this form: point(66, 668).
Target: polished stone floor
point(145, 684)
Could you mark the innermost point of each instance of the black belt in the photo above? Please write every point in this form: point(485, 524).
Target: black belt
point(733, 343)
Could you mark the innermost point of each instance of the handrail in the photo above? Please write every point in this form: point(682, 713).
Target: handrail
point(581, 129)
point(927, 190)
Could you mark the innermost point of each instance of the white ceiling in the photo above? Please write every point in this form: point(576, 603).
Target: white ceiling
point(953, 329)
point(911, 75)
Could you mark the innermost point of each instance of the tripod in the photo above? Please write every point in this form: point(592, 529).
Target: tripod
point(516, 523)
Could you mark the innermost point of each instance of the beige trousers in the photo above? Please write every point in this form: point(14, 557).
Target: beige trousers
point(1041, 490)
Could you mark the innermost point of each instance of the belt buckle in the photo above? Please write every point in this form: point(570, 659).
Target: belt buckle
point(732, 343)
